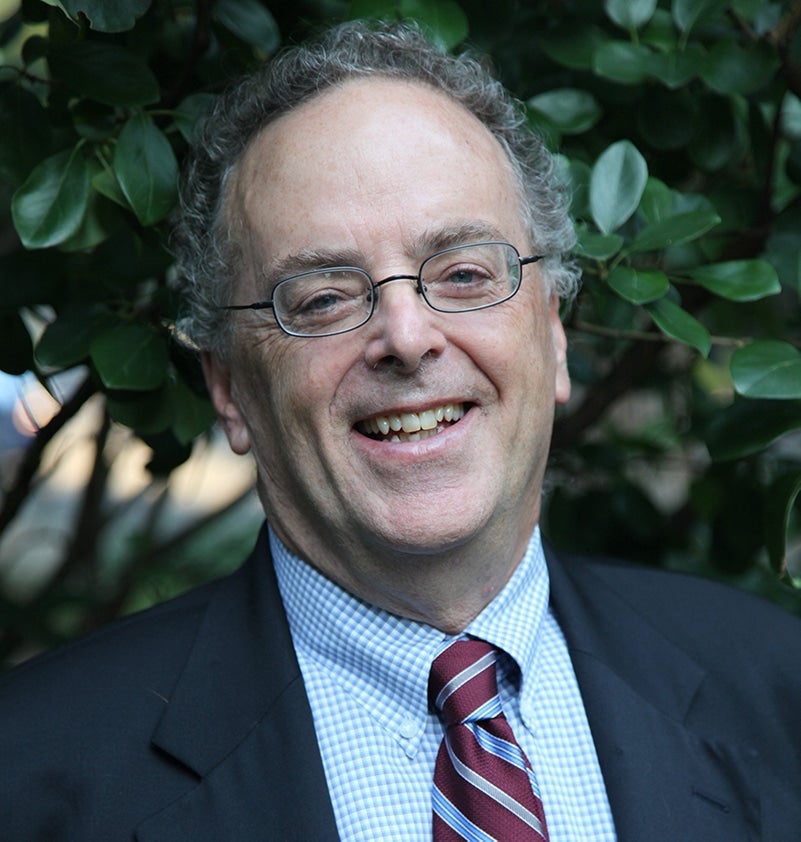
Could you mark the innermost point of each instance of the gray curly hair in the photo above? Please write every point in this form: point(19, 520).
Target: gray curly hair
point(205, 238)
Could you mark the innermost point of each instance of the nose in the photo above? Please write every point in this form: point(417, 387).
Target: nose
point(404, 331)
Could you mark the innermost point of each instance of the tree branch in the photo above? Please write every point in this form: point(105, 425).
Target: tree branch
point(33, 456)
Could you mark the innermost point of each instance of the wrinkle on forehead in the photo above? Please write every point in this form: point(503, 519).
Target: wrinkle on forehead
point(417, 249)
point(379, 110)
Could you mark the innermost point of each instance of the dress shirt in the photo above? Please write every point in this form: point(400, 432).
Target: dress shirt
point(366, 676)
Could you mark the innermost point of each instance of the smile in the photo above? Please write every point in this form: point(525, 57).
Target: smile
point(412, 426)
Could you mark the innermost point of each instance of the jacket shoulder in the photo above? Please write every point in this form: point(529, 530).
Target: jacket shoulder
point(147, 642)
point(726, 629)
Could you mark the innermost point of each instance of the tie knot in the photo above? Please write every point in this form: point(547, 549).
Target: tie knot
point(462, 684)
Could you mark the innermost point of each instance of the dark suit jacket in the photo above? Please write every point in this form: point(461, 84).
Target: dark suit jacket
point(190, 722)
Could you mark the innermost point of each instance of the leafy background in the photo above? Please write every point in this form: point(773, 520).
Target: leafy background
point(678, 125)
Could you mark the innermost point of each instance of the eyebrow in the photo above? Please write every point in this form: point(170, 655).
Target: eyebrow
point(422, 246)
point(455, 234)
point(306, 260)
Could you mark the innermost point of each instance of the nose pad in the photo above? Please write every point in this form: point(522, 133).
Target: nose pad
point(405, 330)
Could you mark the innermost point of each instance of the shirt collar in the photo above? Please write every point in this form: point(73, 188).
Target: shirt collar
point(383, 660)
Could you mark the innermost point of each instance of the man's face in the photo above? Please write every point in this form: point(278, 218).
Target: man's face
point(380, 174)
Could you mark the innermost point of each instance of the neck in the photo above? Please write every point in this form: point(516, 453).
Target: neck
point(445, 589)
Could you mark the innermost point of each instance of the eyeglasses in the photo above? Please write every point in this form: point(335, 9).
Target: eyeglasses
point(325, 302)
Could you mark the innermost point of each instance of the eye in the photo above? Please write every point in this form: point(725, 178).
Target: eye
point(464, 276)
point(459, 281)
point(321, 302)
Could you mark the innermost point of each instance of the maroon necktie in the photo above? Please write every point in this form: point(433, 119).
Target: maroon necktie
point(484, 787)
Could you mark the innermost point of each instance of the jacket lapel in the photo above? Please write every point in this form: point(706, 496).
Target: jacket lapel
point(240, 720)
point(667, 775)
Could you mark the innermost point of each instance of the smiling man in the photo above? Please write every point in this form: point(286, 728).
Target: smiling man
point(382, 174)
point(373, 251)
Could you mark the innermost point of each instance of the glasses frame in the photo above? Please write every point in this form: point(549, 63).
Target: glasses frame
point(376, 285)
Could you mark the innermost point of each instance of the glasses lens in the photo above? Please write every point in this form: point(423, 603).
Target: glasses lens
point(471, 277)
point(323, 302)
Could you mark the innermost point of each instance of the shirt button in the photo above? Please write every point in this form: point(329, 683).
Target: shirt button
point(408, 728)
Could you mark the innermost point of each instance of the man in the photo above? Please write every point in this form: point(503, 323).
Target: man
point(372, 252)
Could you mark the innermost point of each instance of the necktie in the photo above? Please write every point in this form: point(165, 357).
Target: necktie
point(484, 787)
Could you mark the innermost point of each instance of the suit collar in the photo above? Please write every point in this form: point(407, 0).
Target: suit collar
point(664, 767)
point(240, 720)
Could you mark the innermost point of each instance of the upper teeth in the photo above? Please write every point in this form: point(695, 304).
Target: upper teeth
point(413, 422)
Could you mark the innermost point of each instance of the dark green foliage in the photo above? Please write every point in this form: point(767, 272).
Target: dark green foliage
point(678, 125)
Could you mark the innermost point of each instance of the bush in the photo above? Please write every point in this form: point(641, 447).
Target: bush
point(678, 125)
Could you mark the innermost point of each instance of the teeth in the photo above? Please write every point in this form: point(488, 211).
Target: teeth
point(413, 426)
point(428, 419)
point(410, 422)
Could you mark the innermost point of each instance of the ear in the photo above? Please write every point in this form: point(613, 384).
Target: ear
point(562, 376)
point(218, 381)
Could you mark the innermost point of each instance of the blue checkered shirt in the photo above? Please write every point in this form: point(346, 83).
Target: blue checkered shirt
point(366, 676)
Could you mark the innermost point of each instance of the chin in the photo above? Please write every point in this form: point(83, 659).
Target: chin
point(427, 535)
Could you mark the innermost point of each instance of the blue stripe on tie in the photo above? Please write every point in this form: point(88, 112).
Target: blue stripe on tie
point(490, 709)
point(506, 751)
point(497, 746)
point(495, 793)
point(457, 820)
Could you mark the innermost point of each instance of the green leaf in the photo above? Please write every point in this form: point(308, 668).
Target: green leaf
point(105, 183)
point(749, 426)
point(791, 116)
point(767, 368)
point(676, 68)
point(250, 21)
point(192, 414)
point(130, 356)
point(572, 111)
point(146, 169)
point(660, 32)
point(779, 502)
point(680, 325)
point(67, 340)
point(657, 201)
point(49, 206)
point(679, 228)
point(98, 224)
point(598, 246)
point(444, 19)
point(106, 15)
point(630, 14)
point(687, 13)
point(191, 113)
point(623, 61)
point(573, 46)
point(616, 185)
point(576, 175)
point(732, 69)
point(104, 72)
point(639, 286)
point(739, 280)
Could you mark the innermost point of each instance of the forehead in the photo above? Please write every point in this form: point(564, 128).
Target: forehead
point(369, 156)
